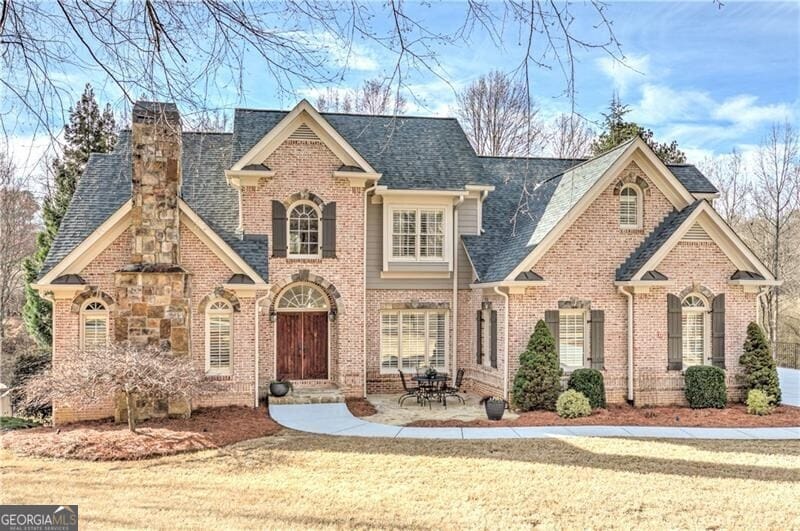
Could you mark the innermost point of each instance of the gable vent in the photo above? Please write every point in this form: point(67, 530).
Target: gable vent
point(303, 132)
point(696, 234)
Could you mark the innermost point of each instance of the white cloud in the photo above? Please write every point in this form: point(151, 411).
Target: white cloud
point(351, 55)
point(632, 71)
point(744, 109)
point(662, 104)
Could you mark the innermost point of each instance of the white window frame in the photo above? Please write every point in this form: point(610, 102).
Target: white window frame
point(399, 354)
point(209, 313)
point(306, 285)
point(704, 311)
point(582, 314)
point(417, 206)
point(94, 314)
point(315, 207)
point(638, 203)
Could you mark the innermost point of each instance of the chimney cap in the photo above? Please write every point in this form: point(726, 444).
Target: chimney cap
point(148, 112)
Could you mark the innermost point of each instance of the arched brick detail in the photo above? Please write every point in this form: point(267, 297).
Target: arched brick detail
point(304, 195)
point(631, 179)
point(696, 287)
point(92, 292)
point(220, 293)
point(304, 275)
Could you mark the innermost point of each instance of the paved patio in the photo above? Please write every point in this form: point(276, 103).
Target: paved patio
point(390, 412)
point(336, 419)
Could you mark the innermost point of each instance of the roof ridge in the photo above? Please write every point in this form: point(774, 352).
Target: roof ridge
point(511, 157)
point(355, 114)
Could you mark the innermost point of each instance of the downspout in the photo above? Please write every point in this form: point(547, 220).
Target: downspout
point(454, 350)
point(364, 279)
point(505, 342)
point(258, 351)
point(629, 296)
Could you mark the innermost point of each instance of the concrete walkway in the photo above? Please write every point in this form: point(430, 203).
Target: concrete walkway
point(790, 386)
point(336, 419)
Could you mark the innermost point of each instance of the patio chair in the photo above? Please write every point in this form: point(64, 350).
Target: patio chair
point(409, 392)
point(455, 389)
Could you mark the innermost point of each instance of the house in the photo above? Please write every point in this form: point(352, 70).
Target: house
point(338, 249)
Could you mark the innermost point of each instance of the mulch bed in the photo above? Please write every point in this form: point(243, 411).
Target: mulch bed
point(360, 407)
point(103, 440)
point(734, 416)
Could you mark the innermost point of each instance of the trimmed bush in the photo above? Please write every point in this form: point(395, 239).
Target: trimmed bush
point(572, 404)
point(759, 402)
point(760, 370)
point(538, 379)
point(705, 387)
point(590, 383)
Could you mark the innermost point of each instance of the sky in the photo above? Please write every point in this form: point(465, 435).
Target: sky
point(711, 78)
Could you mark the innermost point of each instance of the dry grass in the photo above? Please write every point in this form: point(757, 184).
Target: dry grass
point(301, 481)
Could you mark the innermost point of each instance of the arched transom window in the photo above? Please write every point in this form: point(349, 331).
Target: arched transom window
point(630, 207)
point(304, 229)
point(303, 297)
point(694, 320)
point(94, 325)
point(219, 337)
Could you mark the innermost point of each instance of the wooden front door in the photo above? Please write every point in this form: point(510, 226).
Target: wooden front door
point(302, 345)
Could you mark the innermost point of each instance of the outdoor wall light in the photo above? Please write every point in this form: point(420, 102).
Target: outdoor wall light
point(332, 315)
point(273, 316)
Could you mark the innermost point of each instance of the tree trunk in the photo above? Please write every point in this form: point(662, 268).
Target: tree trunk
point(130, 403)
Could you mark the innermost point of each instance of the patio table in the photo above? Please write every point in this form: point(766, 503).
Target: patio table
point(430, 387)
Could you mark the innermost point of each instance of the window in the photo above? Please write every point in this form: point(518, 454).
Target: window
point(94, 327)
point(301, 297)
point(418, 233)
point(630, 207)
point(219, 342)
point(412, 339)
point(304, 230)
point(571, 338)
point(694, 314)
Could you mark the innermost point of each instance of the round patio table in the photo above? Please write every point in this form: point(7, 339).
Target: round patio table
point(430, 386)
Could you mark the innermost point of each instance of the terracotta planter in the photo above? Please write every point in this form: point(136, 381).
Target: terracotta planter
point(495, 409)
point(279, 388)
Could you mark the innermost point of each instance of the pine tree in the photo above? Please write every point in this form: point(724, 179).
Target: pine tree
point(760, 370)
point(538, 380)
point(616, 131)
point(89, 130)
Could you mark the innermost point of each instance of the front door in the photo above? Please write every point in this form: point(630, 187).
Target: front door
point(302, 345)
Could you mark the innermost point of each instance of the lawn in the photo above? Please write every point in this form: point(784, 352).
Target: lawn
point(293, 480)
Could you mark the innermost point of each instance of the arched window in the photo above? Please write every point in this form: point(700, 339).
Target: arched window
point(630, 207)
point(94, 325)
point(304, 229)
point(301, 297)
point(219, 338)
point(694, 320)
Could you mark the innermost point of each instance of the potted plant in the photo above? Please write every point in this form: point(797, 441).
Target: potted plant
point(279, 387)
point(495, 407)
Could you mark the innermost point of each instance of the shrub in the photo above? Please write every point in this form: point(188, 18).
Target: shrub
point(759, 402)
point(27, 366)
point(760, 371)
point(590, 383)
point(705, 387)
point(538, 379)
point(572, 404)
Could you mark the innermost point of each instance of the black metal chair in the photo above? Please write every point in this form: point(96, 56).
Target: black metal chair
point(409, 392)
point(455, 389)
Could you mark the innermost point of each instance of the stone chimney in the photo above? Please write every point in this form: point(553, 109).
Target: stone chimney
point(156, 176)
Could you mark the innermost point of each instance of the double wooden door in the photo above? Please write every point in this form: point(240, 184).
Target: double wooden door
point(302, 345)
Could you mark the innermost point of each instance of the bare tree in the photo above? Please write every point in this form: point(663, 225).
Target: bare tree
point(138, 372)
point(17, 240)
point(498, 117)
point(775, 229)
point(374, 96)
point(729, 175)
point(568, 136)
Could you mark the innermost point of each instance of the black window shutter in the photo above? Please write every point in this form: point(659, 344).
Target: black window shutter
point(479, 337)
point(278, 229)
point(597, 337)
point(718, 331)
point(551, 320)
point(674, 334)
point(329, 230)
point(493, 357)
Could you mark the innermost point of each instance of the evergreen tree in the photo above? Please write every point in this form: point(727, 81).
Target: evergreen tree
point(760, 370)
point(538, 380)
point(616, 131)
point(90, 130)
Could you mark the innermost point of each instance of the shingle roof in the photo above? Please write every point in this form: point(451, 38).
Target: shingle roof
point(653, 242)
point(106, 185)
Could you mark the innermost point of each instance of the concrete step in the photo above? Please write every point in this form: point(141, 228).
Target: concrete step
point(309, 395)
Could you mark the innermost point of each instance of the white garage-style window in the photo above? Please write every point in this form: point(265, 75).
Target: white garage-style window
point(94, 325)
point(572, 338)
point(304, 230)
point(630, 207)
point(418, 233)
point(694, 321)
point(413, 338)
point(219, 337)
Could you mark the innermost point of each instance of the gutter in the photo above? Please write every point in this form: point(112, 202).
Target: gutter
point(505, 341)
point(455, 280)
point(364, 279)
point(629, 296)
